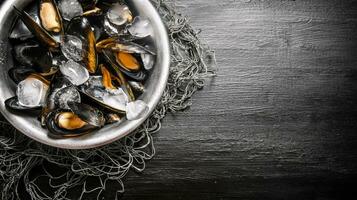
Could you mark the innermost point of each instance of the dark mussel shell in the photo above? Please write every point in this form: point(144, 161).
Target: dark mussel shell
point(111, 59)
point(33, 55)
point(88, 4)
point(19, 30)
point(81, 27)
point(41, 34)
point(111, 118)
point(12, 104)
point(18, 74)
point(87, 98)
point(52, 125)
point(137, 87)
point(57, 84)
point(123, 46)
point(87, 113)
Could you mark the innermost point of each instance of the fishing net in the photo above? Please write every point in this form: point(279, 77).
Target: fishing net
point(31, 170)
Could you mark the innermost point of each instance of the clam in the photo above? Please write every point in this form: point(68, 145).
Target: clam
point(81, 27)
point(41, 34)
point(50, 16)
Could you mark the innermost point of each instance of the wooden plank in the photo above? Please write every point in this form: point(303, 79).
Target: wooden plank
point(279, 121)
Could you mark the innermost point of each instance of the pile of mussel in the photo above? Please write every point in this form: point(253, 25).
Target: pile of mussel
point(80, 64)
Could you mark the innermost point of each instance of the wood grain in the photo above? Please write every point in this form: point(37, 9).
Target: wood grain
point(280, 119)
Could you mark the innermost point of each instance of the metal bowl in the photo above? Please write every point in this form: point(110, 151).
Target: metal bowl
point(31, 127)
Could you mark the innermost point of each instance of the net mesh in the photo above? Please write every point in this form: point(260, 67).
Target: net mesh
point(27, 164)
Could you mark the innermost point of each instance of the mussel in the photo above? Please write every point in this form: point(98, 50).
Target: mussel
point(31, 54)
point(112, 118)
point(41, 34)
point(19, 31)
point(118, 45)
point(107, 79)
point(93, 12)
point(51, 19)
point(81, 27)
point(58, 59)
point(88, 4)
point(122, 65)
point(13, 105)
point(105, 100)
point(89, 114)
point(137, 86)
point(58, 83)
point(65, 95)
point(18, 74)
point(80, 119)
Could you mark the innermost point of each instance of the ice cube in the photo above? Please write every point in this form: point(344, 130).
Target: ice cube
point(31, 92)
point(119, 14)
point(141, 27)
point(110, 29)
point(72, 47)
point(148, 60)
point(70, 9)
point(75, 72)
point(65, 95)
point(116, 99)
point(95, 81)
point(136, 109)
point(96, 92)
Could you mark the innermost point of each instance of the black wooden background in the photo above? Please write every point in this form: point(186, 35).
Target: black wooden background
point(280, 119)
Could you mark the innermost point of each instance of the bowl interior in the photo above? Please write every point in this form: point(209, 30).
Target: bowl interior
point(31, 127)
